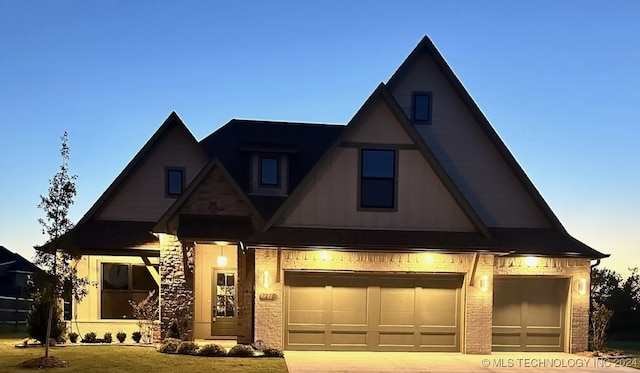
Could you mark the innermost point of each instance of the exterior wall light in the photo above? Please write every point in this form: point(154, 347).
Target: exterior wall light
point(484, 283)
point(428, 258)
point(221, 260)
point(265, 279)
point(581, 286)
point(531, 261)
point(324, 255)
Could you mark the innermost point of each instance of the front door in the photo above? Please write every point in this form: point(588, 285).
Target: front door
point(223, 311)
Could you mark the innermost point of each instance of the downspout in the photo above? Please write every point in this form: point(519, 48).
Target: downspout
point(597, 263)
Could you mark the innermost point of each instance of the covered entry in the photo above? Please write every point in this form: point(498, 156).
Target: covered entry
point(529, 313)
point(372, 311)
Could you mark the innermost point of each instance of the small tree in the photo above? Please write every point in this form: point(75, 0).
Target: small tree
point(57, 259)
point(146, 311)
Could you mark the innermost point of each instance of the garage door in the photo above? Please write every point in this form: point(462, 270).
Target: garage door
point(373, 312)
point(529, 314)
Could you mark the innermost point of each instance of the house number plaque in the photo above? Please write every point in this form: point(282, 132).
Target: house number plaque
point(269, 296)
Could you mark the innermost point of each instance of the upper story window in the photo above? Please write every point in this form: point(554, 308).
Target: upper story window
point(378, 178)
point(421, 108)
point(269, 171)
point(175, 180)
point(269, 174)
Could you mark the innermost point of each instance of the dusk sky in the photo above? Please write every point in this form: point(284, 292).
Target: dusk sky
point(558, 80)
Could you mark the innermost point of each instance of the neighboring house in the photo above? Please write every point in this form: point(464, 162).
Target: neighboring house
point(15, 277)
point(412, 228)
point(15, 274)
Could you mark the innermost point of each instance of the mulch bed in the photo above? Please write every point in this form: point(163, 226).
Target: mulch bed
point(44, 362)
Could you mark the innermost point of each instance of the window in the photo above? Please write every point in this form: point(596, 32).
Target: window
point(175, 181)
point(269, 171)
point(422, 108)
point(377, 178)
point(225, 295)
point(121, 283)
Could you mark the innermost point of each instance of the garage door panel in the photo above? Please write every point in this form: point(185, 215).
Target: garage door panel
point(438, 307)
point(397, 339)
point(349, 339)
point(349, 306)
point(307, 338)
point(372, 312)
point(397, 306)
point(439, 339)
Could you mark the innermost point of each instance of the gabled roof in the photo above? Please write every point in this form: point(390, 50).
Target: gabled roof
point(11, 261)
point(382, 94)
point(427, 46)
point(163, 224)
point(304, 143)
point(172, 121)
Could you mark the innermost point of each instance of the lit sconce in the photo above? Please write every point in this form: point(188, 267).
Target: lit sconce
point(324, 255)
point(428, 258)
point(222, 259)
point(581, 286)
point(265, 279)
point(484, 283)
point(531, 261)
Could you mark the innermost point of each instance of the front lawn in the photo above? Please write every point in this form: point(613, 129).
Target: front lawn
point(629, 347)
point(127, 359)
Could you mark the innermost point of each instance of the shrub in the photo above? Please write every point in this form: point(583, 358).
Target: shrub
point(90, 338)
point(136, 336)
point(212, 350)
point(241, 351)
point(39, 315)
point(107, 338)
point(169, 346)
point(73, 337)
point(600, 321)
point(272, 352)
point(187, 348)
point(121, 336)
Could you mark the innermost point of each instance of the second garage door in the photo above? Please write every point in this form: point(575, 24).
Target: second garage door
point(529, 313)
point(373, 312)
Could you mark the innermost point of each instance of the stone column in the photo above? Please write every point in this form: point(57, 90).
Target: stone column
point(177, 287)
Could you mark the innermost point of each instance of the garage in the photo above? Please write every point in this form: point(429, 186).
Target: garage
point(372, 311)
point(529, 313)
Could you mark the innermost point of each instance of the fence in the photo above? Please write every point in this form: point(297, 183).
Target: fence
point(13, 313)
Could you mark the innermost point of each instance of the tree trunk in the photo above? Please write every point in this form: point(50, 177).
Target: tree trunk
point(48, 334)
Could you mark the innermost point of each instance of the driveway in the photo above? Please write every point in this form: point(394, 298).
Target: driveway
point(323, 361)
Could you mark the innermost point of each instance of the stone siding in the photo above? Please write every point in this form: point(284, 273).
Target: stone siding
point(176, 282)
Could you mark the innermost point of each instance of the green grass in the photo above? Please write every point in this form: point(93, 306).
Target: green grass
point(630, 347)
point(129, 359)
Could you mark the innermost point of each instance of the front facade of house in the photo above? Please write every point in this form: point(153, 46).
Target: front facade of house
point(412, 228)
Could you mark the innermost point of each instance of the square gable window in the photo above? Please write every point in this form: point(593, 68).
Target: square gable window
point(175, 181)
point(421, 108)
point(269, 171)
point(378, 178)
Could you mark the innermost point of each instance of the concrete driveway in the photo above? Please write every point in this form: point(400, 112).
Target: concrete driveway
point(323, 361)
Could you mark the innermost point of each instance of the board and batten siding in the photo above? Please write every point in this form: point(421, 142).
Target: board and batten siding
point(466, 152)
point(331, 198)
point(141, 196)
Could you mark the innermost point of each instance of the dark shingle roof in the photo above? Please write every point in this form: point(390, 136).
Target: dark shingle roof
point(305, 143)
point(107, 237)
point(15, 262)
point(518, 241)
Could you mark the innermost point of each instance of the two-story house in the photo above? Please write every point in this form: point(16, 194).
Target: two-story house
point(412, 228)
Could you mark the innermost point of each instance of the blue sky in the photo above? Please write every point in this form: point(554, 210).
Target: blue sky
point(558, 80)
